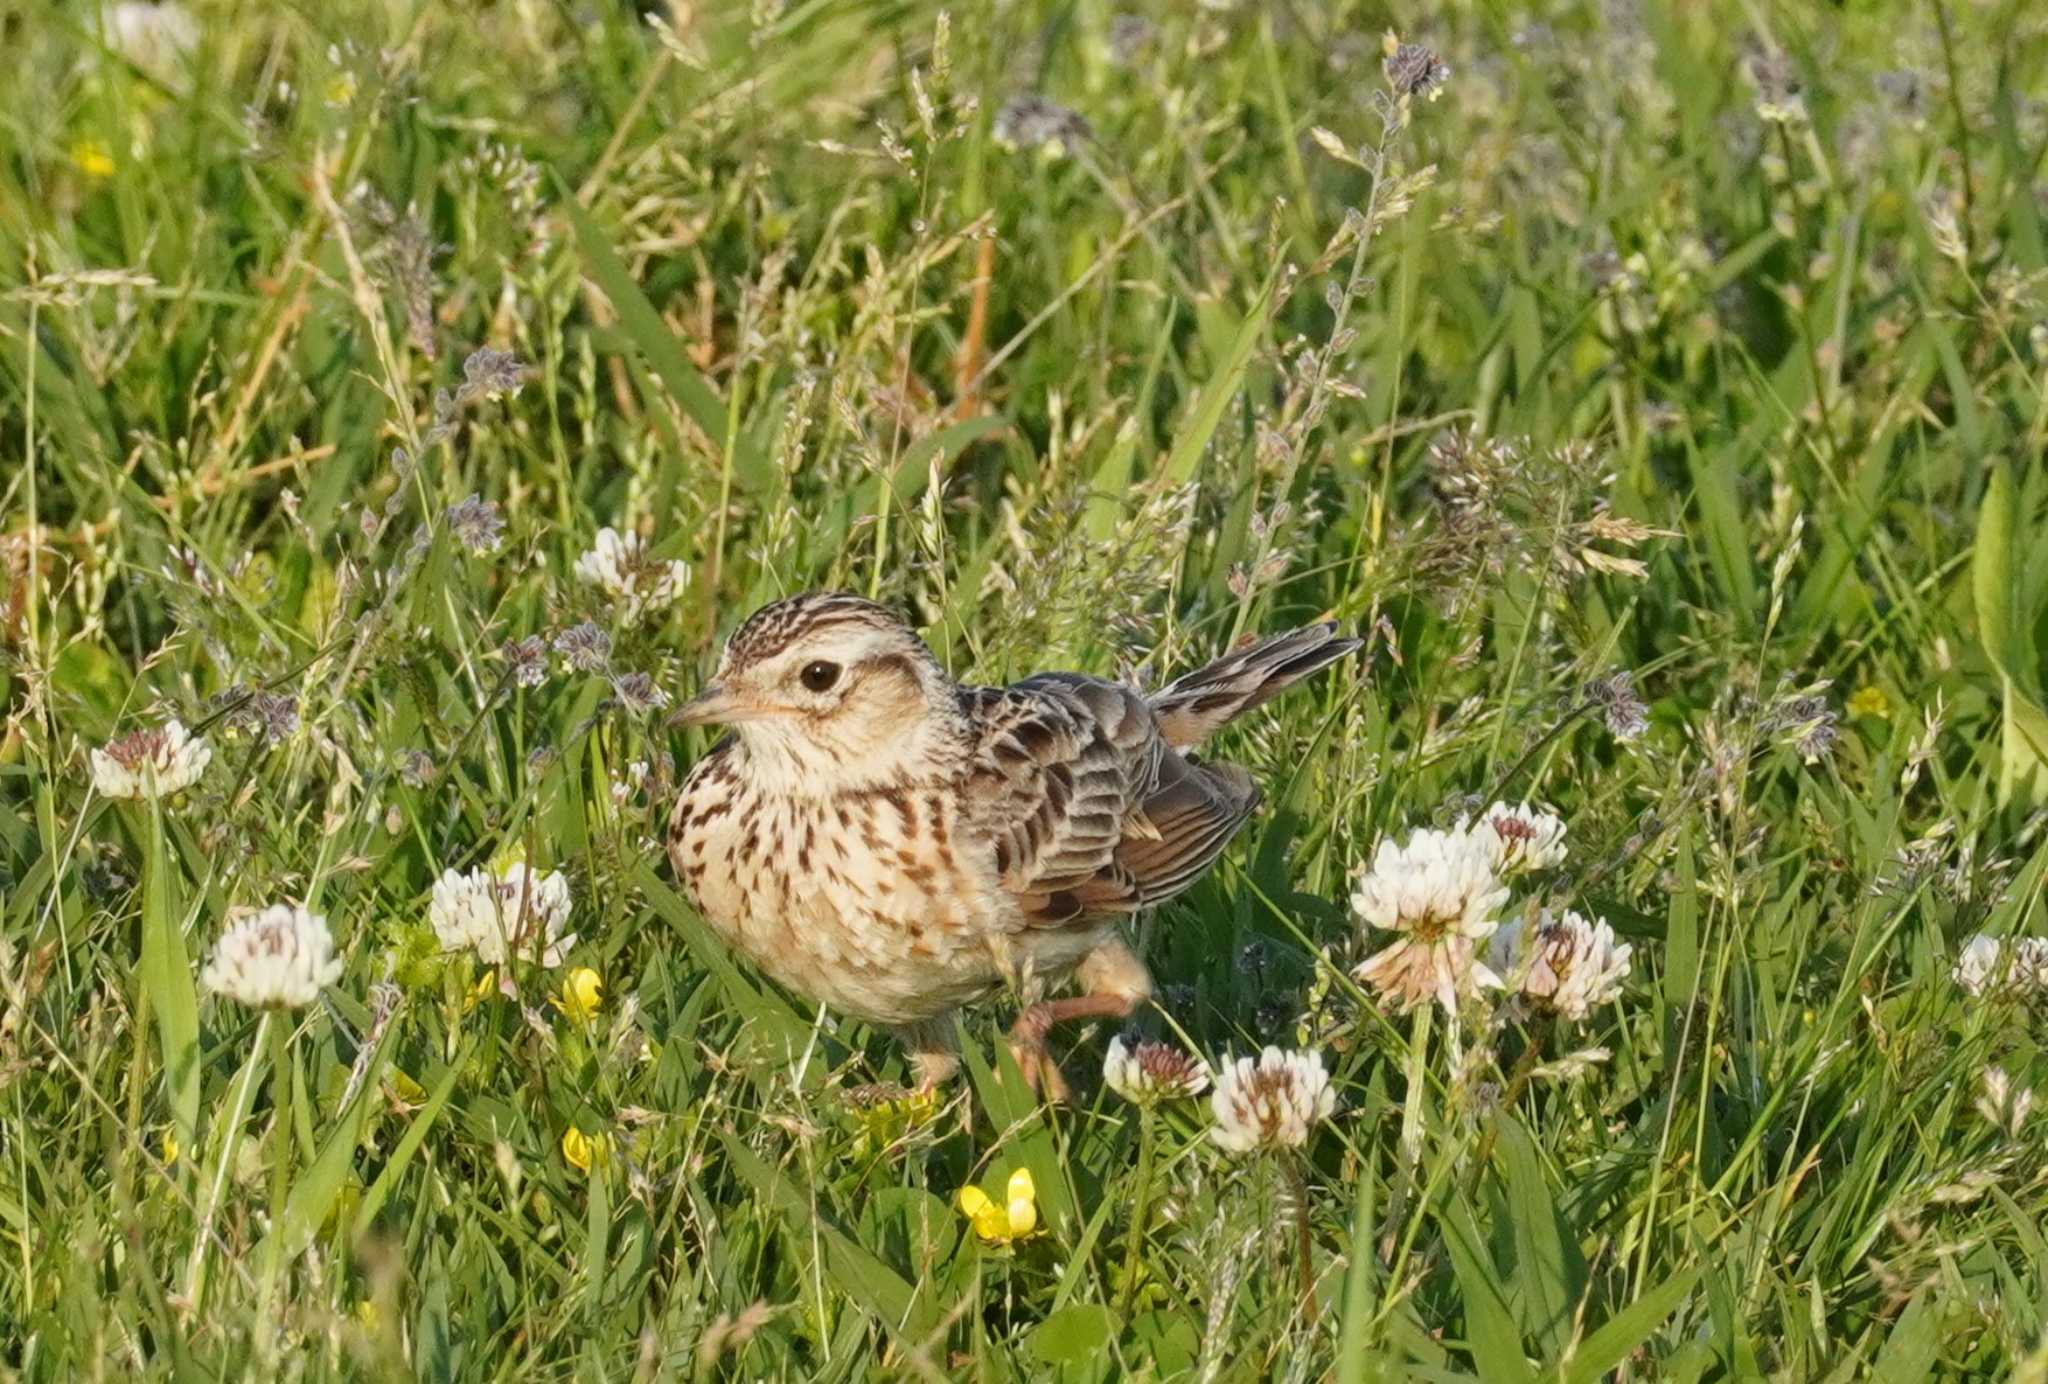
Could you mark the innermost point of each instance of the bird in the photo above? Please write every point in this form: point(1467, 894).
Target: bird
point(896, 845)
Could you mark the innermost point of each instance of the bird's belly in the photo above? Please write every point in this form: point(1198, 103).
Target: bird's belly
point(865, 902)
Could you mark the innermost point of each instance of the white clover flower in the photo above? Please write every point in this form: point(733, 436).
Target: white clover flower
point(2030, 963)
point(1988, 965)
point(281, 958)
point(620, 565)
point(1977, 966)
point(1271, 1101)
point(1149, 1072)
point(500, 916)
point(2002, 1105)
point(1440, 892)
point(1572, 1066)
point(1524, 838)
point(625, 788)
point(153, 37)
point(1565, 963)
point(150, 763)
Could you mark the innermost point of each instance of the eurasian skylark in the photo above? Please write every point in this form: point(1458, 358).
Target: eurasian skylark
point(881, 838)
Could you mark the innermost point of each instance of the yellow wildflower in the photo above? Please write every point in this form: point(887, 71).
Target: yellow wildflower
point(170, 1144)
point(582, 995)
point(883, 1122)
point(1870, 700)
point(482, 991)
point(343, 1211)
point(1000, 1223)
point(91, 158)
point(585, 1151)
point(367, 1316)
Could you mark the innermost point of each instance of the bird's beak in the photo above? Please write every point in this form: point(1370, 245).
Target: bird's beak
point(713, 706)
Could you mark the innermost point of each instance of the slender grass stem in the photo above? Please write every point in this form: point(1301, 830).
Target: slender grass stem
point(230, 1146)
point(1141, 1206)
point(1416, 1075)
point(266, 1323)
point(1304, 1243)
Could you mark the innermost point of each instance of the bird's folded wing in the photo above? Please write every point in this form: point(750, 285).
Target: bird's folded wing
point(1088, 809)
point(1193, 811)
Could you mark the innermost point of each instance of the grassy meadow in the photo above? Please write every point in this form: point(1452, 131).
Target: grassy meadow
point(1659, 389)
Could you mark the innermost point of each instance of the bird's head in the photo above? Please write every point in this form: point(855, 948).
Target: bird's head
point(828, 692)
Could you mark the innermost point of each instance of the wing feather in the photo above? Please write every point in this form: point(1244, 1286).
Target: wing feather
point(1088, 809)
point(1194, 813)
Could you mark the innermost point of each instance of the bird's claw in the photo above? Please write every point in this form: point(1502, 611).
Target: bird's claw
point(1041, 1073)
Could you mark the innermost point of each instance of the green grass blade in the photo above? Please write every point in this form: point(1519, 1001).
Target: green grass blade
point(1361, 1281)
point(1715, 489)
point(643, 325)
point(777, 1022)
point(1113, 476)
point(1621, 1334)
point(1991, 575)
point(913, 473)
point(1490, 1332)
point(597, 1237)
point(1222, 387)
point(1910, 1351)
point(865, 1279)
point(167, 979)
point(409, 1142)
point(1547, 1263)
point(319, 1188)
point(2023, 757)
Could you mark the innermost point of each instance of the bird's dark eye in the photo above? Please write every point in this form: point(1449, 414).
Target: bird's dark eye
point(819, 676)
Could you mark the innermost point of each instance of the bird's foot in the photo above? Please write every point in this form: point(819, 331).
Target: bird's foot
point(1027, 1035)
point(1041, 1073)
point(934, 1069)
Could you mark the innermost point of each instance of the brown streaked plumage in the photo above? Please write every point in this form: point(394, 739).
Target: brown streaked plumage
point(878, 837)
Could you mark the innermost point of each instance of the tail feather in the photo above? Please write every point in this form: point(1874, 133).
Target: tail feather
point(1193, 707)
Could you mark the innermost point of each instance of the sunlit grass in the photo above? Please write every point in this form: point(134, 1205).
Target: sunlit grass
point(405, 401)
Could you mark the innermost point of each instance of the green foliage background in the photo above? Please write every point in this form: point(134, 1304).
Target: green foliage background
point(1751, 296)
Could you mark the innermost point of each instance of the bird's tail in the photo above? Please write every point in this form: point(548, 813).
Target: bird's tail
point(1191, 708)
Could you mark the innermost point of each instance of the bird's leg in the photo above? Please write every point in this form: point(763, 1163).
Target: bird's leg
point(1027, 1035)
point(1116, 983)
point(934, 1047)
